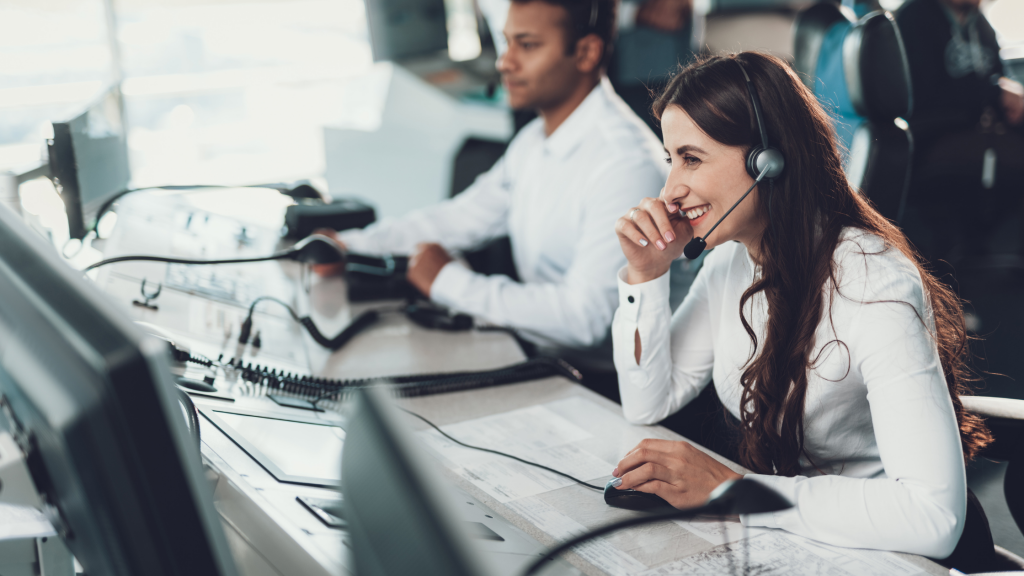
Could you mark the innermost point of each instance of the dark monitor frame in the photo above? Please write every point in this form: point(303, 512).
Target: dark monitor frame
point(90, 401)
point(398, 520)
point(402, 29)
point(210, 413)
point(66, 173)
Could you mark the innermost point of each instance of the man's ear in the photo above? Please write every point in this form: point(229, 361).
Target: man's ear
point(589, 52)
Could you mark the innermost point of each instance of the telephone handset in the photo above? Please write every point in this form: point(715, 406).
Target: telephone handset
point(386, 266)
point(377, 277)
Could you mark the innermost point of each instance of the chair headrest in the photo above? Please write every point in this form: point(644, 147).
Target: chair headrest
point(876, 68)
point(809, 31)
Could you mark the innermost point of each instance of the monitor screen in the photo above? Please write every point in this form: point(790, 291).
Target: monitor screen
point(402, 29)
point(89, 160)
point(90, 402)
point(292, 451)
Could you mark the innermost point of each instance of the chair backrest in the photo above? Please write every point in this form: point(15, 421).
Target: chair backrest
point(475, 157)
point(878, 82)
point(858, 70)
point(809, 31)
point(818, 36)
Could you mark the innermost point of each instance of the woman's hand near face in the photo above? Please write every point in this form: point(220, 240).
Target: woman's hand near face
point(674, 470)
point(652, 235)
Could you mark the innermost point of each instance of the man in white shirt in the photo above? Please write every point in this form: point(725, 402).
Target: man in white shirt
point(654, 36)
point(586, 156)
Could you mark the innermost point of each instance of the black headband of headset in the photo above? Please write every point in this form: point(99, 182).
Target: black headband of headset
point(757, 105)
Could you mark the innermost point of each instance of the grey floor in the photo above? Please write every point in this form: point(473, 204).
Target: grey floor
point(986, 480)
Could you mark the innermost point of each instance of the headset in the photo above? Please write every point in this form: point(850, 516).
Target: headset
point(763, 162)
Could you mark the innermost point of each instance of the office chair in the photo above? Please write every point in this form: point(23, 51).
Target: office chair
point(1005, 417)
point(475, 157)
point(878, 80)
point(858, 70)
point(810, 31)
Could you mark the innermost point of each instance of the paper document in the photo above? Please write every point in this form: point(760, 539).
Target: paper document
point(598, 552)
point(23, 522)
point(782, 554)
point(535, 434)
point(718, 531)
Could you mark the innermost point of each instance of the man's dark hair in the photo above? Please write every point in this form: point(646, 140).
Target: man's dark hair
point(587, 17)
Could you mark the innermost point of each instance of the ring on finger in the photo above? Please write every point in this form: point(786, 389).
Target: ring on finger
point(632, 213)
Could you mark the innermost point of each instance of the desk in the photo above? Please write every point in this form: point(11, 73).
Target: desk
point(269, 532)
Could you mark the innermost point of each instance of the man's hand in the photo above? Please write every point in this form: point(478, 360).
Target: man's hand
point(682, 475)
point(425, 265)
point(1013, 100)
point(664, 15)
point(334, 268)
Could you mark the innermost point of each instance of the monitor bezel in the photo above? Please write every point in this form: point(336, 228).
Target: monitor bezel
point(64, 170)
point(91, 403)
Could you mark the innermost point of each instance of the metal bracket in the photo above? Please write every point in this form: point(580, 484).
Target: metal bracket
point(148, 296)
point(44, 556)
point(16, 485)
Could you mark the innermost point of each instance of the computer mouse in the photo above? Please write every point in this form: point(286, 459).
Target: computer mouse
point(634, 499)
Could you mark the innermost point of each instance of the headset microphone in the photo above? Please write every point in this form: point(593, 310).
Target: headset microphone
point(697, 245)
point(762, 162)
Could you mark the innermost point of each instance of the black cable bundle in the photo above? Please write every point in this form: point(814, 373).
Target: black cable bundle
point(185, 356)
point(319, 389)
point(360, 323)
point(357, 326)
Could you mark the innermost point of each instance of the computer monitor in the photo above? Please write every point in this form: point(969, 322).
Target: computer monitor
point(90, 401)
point(406, 28)
point(398, 518)
point(89, 160)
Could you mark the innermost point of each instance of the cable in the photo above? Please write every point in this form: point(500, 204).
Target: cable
point(105, 207)
point(411, 385)
point(360, 323)
point(516, 458)
point(142, 258)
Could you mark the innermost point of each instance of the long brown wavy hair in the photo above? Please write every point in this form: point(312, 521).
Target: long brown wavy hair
point(807, 208)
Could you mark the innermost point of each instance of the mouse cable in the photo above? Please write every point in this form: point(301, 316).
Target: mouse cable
point(358, 324)
point(106, 206)
point(516, 458)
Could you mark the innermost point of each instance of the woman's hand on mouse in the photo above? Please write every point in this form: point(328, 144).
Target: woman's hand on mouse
point(679, 473)
point(652, 235)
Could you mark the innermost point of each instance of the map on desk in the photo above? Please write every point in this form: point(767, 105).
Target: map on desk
point(586, 440)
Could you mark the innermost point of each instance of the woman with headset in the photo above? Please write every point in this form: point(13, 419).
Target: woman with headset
point(839, 359)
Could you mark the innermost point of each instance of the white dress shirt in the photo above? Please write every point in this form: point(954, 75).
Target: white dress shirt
point(879, 422)
point(557, 197)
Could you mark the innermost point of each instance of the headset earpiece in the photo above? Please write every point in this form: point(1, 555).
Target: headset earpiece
point(761, 158)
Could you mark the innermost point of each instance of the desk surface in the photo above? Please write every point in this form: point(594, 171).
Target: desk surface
point(257, 509)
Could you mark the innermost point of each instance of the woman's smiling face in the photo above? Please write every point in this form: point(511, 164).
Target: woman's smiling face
point(706, 179)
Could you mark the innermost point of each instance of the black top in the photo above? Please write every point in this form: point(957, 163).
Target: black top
point(954, 66)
